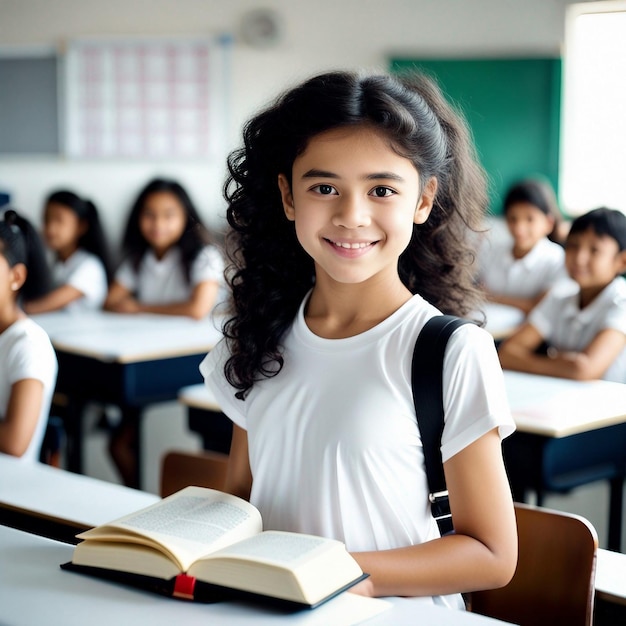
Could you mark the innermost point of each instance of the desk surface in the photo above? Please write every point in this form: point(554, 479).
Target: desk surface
point(557, 407)
point(611, 576)
point(34, 590)
point(128, 338)
point(502, 320)
point(198, 396)
point(54, 492)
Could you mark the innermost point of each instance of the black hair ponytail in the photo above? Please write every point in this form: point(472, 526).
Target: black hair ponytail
point(20, 243)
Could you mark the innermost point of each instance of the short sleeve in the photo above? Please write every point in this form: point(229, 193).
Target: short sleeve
point(543, 315)
point(127, 276)
point(212, 370)
point(475, 400)
point(32, 356)
point(90, 279)
point(208, 265)
point(616, 316)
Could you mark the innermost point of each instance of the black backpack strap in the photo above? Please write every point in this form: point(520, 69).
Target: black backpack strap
point(427, 385)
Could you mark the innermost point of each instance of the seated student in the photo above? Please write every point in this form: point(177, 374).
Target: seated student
point(28, 365)
point(170, 266)
point(519, 274)
point(584, 324)
point(81, 271)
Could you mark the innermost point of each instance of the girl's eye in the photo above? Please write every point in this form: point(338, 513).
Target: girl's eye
point(325, 190)
point(382, 192)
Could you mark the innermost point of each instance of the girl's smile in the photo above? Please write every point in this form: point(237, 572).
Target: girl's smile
point(351, 249)
point(354, 201)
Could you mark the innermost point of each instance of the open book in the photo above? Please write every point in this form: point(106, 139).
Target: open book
point(206, 545)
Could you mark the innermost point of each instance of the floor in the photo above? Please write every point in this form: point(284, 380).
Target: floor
point(165, 428)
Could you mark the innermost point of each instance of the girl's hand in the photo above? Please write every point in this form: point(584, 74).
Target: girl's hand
point(364, 588)
point(127, 305)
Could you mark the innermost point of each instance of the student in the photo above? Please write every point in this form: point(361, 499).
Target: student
point(80, 273)
point(584, 325)
point(349, 208)
point(28, 365)
point(171, 267)
point(519, 273)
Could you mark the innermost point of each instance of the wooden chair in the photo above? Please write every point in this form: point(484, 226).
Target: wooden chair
point(554, 580)
point(203, 469)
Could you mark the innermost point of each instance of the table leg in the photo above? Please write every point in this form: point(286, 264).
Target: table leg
point(615, 513)
point(73, 424)
point(125, 447)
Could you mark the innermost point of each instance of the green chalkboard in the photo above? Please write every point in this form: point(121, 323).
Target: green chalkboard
point(513, 108)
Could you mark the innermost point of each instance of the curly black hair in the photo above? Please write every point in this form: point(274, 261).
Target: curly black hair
point(270, 273)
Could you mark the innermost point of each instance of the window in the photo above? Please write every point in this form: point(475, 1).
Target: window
point(593, 149)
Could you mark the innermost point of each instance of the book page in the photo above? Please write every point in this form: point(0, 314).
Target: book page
point(186, 525)
point(277, 548)
point(293, 566)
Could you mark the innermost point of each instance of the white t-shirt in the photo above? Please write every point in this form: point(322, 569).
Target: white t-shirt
point(563, 324)
point(163, 281)
point(333, 440)
point(83, 271)
point(527, 277)
point(26, 352)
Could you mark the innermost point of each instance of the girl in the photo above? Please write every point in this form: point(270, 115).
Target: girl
point(170, 266)
point(349, 206)
point(81, 272)
point(28, 365)
point(520, 274)
point(585, 324)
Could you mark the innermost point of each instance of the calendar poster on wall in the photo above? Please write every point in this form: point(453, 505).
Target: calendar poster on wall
point(141, 98)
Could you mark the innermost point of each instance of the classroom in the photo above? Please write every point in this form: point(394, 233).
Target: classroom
point(502, 62)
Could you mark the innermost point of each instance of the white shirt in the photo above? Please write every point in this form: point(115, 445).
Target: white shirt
point(163, 281)
point(83, 271)
point(26, 352)
point(563, 324)
point(333, 440)
point(527, 277)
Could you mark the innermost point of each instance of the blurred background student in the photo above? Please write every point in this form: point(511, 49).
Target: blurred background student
point(81, 268)
point(519, 270)
point(28, 365)
point(171, 266)
point(584, 324)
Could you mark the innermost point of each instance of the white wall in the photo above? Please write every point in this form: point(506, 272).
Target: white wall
point(318, 35)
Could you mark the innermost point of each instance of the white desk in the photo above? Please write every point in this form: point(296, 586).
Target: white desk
point(128, 338)
point(502, 320)
point(128, 360)
point(34, 590)
point(198, 397)
point(53, 492)
point(569, 433)
point(557, 407)
point(611, 576)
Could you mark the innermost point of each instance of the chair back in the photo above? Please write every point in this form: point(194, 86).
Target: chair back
point(180, 469)
point(555, 576)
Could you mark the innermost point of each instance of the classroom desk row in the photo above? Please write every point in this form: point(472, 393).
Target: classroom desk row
point(34, 590)
point(131, 361)
point(569, 433)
